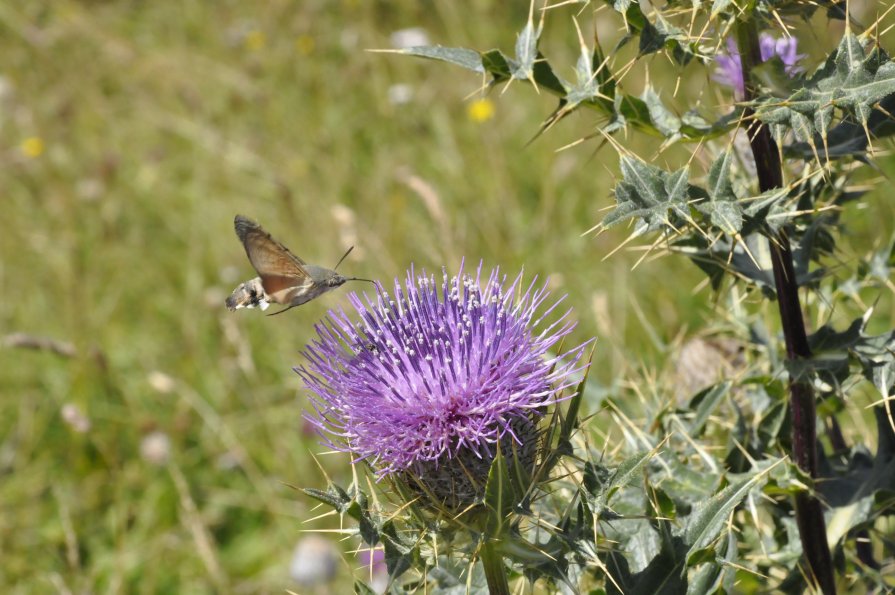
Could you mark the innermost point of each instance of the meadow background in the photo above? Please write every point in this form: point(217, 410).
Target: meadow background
point(155, 449)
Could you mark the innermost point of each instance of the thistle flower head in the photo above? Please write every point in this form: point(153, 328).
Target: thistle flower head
point(427, 383)
point(729, 70)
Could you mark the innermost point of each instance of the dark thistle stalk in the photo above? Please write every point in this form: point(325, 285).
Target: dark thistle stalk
point(809, 513)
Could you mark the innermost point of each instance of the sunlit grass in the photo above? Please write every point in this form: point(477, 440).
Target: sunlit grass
point(132, 134)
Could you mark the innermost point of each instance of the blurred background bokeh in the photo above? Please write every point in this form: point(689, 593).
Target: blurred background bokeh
point(152, 440)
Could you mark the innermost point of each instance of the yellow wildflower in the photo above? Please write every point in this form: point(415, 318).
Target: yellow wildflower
point(481, 110)
point(32, 147)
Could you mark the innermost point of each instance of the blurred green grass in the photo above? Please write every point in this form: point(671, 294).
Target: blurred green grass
point(132, 134)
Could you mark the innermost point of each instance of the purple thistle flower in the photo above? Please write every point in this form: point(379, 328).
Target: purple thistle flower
point(427, 383)
point(729, 70)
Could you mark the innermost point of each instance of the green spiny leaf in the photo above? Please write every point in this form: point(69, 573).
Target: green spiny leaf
point(600, 68)
point(333, 496)
point(662, 576)
point(587, 84)
point(653, 36)
point(570, 422)
point(705, 404)
point(711, 575)
point(498, 495)
point(708, 520)
point(595, 85)
point(662, 118)
point(771, 424)
point(852, 81)
point(649, 194)
point(685, 484)
point(723, 208)
point(544, 76)
point(498, 65)
point(399, 557)
point(465, 58)
point(626, 472)
point(849, 138)
point(767, 212)
point(527, 50)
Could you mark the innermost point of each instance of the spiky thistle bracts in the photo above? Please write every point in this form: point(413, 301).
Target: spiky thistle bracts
point(438, 373)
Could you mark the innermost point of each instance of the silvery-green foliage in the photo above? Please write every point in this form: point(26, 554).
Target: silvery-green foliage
point(701, 500)
point(851, 89)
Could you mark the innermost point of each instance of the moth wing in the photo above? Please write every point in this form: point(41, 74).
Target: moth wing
point(282, 273)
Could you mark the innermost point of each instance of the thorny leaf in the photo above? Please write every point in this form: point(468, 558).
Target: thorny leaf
point(654, 36)
point(723, 208)
point(852, 81)
point(595, 86)
point(650, 194)
point(708, 520)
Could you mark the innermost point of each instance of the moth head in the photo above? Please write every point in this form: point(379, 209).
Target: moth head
point(334, 279)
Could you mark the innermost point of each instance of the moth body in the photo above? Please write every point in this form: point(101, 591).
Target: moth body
point(250, 294)
point(283, 278)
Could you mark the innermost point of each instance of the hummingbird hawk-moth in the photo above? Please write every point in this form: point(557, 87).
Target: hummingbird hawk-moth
point(283, 278)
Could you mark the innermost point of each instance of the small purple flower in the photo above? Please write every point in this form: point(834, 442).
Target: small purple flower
point(729, 70)
point(426, 384)
point(372, 559)
point(374, 566)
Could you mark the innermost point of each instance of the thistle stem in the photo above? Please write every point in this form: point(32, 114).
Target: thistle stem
point(809, 513)
point(495, 569)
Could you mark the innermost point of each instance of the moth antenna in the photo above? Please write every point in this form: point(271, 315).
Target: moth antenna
point(343, 258)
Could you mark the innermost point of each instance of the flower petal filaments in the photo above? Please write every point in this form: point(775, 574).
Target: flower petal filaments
point(436, 370)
